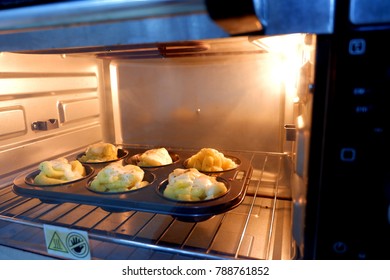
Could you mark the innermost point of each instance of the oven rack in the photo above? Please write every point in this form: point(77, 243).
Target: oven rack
point(259, 228)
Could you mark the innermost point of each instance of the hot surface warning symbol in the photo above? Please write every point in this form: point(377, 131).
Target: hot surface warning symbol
point(56, 244)
point(67, 243)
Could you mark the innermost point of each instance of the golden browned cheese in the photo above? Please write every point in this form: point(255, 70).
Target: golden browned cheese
point(208, 159)
point(59, 171)
point(155, 157)
point(118, 178)
point(191, 185)
point(100, 152)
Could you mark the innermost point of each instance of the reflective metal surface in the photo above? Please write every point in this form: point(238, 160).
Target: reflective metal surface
point(101, 23)
point(70, 13)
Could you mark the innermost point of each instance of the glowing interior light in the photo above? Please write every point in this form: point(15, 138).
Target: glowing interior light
point(291, 49)
point(295, 99)
point(300, 122)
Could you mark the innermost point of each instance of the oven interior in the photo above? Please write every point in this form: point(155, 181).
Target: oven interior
point(247, 95)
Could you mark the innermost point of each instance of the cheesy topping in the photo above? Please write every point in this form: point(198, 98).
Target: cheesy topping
point(155, 157)
point(100, 152)
point(208, 159)
point(191, 185)
point(118, 178)
point(59, 171)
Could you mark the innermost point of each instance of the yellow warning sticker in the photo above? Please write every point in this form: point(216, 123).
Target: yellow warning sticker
point(56, 244)
point(67, 243)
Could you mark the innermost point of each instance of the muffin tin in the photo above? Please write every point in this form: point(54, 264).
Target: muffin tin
point(150, 197)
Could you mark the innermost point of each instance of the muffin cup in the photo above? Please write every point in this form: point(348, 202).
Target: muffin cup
point(29, 179)
point(162, 186)
point(135, 159)
point(236, 160)
point(148, 177)
point(121, 154)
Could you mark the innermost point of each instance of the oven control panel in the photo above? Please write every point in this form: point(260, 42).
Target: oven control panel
point(355, 195)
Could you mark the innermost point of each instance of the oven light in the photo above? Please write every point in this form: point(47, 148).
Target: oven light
point(300, 122)
point(294, 54)
point(63, 56)
point(295, 99)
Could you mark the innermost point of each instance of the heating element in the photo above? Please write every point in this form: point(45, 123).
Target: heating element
point(259, 228)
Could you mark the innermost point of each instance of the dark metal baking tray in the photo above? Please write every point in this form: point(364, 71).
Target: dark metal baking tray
point(149, 198)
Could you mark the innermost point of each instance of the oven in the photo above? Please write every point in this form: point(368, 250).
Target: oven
point(293, 90)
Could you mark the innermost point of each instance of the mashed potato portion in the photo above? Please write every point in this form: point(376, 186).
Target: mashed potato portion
point(154, 157)
point(116, 177)
point(59, 171)
point(100, 152)
point(208, 159)
point(191, 185)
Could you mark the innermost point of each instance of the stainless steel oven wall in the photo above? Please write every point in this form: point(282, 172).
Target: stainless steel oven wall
point(231, 102)
point(49, 106)
point(227, 103)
